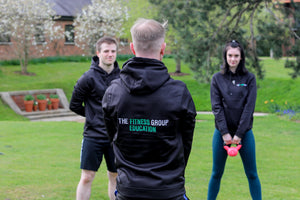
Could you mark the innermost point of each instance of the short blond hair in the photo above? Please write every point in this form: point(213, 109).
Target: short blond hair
point(148, 35)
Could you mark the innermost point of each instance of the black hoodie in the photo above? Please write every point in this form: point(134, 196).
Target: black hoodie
point(151, 118)
point(233, 99)
point(87, 98)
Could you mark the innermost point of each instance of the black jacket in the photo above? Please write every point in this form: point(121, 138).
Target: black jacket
point(233, 101)
point(87, 98)
point(151, 119)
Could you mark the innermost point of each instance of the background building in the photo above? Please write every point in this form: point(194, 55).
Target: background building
point(67, 10)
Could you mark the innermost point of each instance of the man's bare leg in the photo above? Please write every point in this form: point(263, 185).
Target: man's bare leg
point(85, 185)
point(111, 184)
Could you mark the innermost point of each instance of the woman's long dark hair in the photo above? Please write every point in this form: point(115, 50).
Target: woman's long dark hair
point(241, 69)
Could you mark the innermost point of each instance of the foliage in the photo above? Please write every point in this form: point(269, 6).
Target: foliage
point(292, 64)
point(98, 19)
point(137, 9)
point(175, 46)
point(286, 108)
point(295, 49)
point(41, 97)
point(29, 24)
point(277, 32)
point(204, 27)
point(28, 97)
point(53, 96)
point(56, 59)
point(124, 57)
point(275, 28)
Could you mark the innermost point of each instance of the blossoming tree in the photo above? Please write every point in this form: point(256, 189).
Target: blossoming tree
point(99, 18)
point(28, 23)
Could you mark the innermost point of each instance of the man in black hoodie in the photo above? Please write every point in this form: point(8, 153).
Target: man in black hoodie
point(87, 101)
point(150, 118)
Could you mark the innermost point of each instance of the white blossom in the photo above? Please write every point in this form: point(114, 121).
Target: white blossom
point(100, 18)
point(24, 21)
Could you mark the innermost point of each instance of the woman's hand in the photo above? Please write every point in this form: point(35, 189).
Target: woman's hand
point(227, 138)
point(236, 140)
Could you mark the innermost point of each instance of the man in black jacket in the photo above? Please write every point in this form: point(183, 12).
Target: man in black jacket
point(87, 101)
point(150, 117)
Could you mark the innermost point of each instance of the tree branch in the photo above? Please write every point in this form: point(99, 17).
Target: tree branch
point(224, 19)
point(280, 21)
point(239, 14)
point(251, 28)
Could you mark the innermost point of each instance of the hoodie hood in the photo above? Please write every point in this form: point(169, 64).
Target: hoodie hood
point(143, 75)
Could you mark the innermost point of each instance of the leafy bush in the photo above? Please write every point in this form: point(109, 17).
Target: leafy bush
point(55, 59)
point(124, 57)
point(49, 60)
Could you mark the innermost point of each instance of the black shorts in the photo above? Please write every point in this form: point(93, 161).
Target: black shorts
point(120, 197)
point(92, 153)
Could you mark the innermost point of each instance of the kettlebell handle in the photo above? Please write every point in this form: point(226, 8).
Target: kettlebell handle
point(235, 144)
point(232, 151)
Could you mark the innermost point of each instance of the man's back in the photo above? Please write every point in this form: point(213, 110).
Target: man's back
point(155, 118)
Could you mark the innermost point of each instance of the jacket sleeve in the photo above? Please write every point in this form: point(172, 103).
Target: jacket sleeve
point(80, 93)
point(188, 124)
point(109, 111)
point(249, 106)
point(217, 107)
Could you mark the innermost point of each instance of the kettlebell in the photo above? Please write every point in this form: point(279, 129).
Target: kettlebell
point(232, 151)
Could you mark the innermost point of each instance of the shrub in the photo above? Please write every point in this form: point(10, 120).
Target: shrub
point(54, 96)
point(28, 97)
point(41, 97)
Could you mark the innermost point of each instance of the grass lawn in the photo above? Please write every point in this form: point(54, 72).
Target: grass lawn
point(277, 85)
point(41, 161)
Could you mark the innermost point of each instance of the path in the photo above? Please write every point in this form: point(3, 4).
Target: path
point(82, 119)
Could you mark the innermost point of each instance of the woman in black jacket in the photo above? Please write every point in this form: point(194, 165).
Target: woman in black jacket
point(233, 96)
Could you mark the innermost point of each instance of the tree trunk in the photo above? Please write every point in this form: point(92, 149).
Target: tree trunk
point(178, 64)
point(24, 63)
point(24, 58)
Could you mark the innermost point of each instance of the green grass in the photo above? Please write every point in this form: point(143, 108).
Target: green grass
point(277, 85)
point(41, 161)
point(275, 68)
